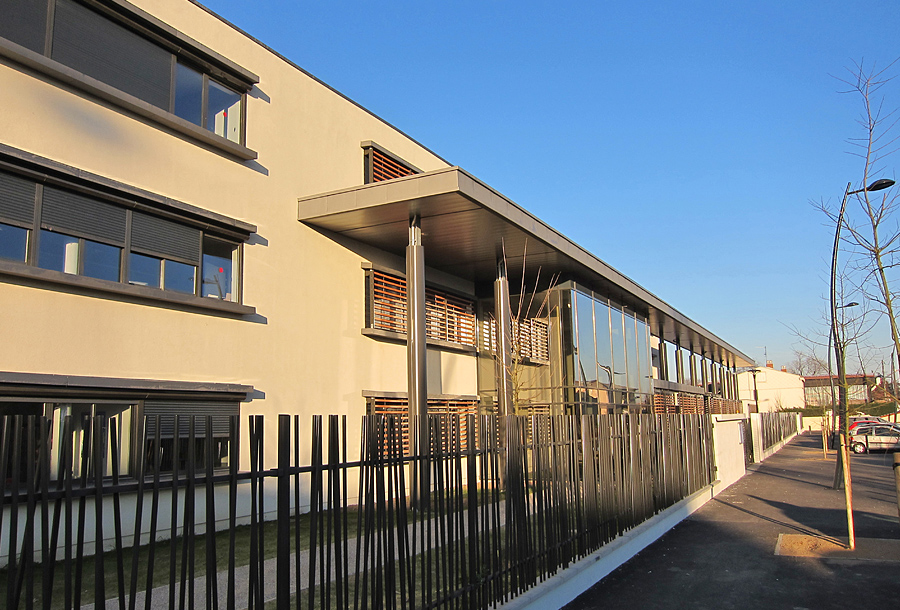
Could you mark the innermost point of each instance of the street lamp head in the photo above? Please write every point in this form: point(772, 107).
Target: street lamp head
point(880, 184)
point(850, 304)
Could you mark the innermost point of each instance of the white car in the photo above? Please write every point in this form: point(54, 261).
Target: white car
point(875, 436)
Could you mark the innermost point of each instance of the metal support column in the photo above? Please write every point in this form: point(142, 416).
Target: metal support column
point(416, 362)
point(503, 313)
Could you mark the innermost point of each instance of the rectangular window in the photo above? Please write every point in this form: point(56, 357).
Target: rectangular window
point(83, 235)
point(81, 421)
point(111, 50)
point(447, 317)
point(219, 262)
point(160, 418)
point(13, 243)
point(72, 428)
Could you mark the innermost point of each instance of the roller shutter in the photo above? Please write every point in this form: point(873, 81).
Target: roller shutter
point(221, 413)
point(16, 199)
point(164, 238)
point(100, 48)
point(81, 216)
point(24, 22)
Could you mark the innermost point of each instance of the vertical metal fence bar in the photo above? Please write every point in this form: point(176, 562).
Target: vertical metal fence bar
point(138, 471)
point(117, 511)
point(283, 508)
point(212, 588)
point(98, 463)
point(173, 524)
point(233, 456)
point(156, 462)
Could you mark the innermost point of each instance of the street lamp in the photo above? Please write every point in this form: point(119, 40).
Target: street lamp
point(842, 467)
point(878, 185)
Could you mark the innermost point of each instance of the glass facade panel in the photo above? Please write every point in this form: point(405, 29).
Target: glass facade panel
point(632, 360)
point(224, 111)
point(189, 94)
point(13, 243)
point(144, 270)
point(617, 338)
point(58, 252)
point(671, 363)
point(587, 355)
point(643, 340)
point(101, 261)
point(179, 276)
point(218, 262)
point(604, 345)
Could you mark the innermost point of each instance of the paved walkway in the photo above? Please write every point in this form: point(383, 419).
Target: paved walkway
point(724, 555)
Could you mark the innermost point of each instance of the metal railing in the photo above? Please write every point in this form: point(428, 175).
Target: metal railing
point(523, 499)
point(776, 427)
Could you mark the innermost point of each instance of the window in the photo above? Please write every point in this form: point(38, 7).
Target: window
point(71, 427)
point(447, 317)
point(165, 446)
point(79, 234)
point(380, 165)
point(219, 262)
point(120, 50)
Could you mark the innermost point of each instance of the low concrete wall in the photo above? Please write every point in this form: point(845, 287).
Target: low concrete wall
point(728, 439)
point(562, 588)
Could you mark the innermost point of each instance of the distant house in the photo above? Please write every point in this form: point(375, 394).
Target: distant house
point(778, 390)
point(861, 389)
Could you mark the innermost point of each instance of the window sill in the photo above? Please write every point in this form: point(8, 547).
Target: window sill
point(393, 337)
point(92, 86)
point(138, 293)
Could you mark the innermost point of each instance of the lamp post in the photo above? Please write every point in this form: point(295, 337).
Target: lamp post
point(841, 465)
point(831, 378)
point(754, 371)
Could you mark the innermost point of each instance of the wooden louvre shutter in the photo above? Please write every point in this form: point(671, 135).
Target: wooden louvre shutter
point(100, 48)
point(82, 216)
point(447, 317)
point(381, 166)
point(165, 238)
point(16, 199)
point(458, 409)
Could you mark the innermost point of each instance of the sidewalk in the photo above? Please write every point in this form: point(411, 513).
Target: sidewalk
point(724, 555)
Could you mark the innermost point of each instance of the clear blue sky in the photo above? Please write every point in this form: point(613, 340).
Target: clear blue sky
point(681, 142)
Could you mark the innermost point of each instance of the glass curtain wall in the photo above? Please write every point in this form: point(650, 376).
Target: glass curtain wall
point(611, 355)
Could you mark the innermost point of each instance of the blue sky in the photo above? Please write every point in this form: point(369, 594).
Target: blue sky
point(681, 142)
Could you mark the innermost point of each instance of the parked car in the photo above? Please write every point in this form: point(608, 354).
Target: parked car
point(864, 419)
point(875, 436)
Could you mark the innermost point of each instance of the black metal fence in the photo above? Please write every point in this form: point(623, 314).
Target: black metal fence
point(776, 427)
point(504, 507)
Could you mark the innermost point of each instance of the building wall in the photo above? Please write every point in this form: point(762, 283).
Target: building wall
point(777, 389)
point(303, 350)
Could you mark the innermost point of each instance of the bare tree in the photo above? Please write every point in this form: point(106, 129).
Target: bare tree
point(874, 230)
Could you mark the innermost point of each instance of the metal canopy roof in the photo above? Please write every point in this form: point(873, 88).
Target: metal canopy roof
point(466, 225)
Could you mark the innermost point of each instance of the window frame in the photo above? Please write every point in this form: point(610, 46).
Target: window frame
point(207, 224)
point(176, 396)
point(181, 47)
